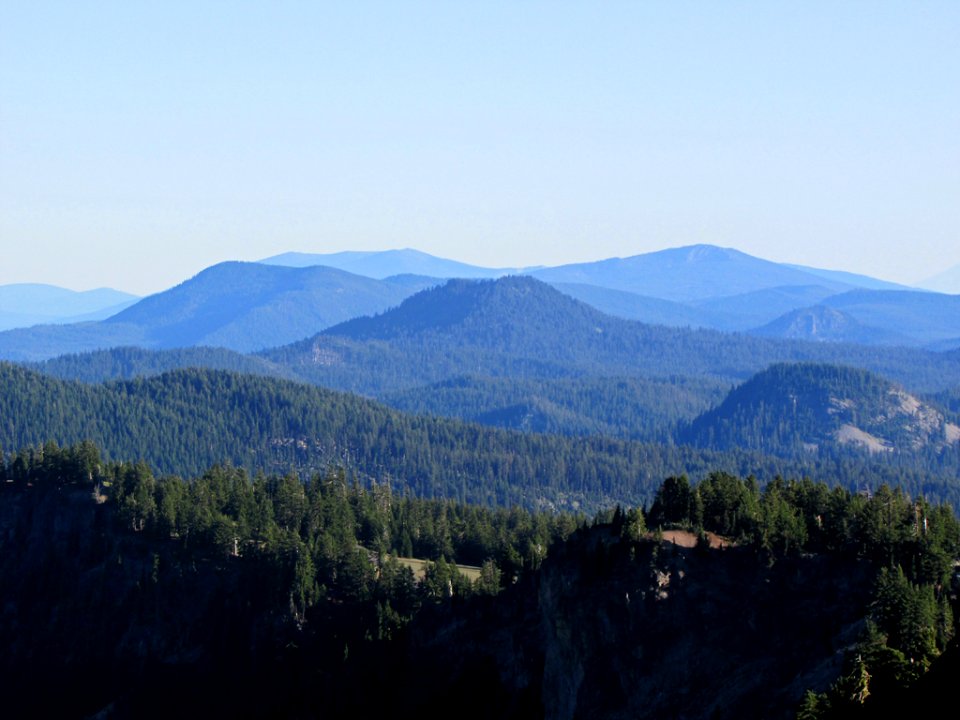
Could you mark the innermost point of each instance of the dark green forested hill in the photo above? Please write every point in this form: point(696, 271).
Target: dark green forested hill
point(809, 408)
point(535, 359)
point(623, 407)
point(949, 399)
point(186, 420)
point(124, 363)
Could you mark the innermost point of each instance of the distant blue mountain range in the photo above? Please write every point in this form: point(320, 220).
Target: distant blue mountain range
point(386, 263)
point(947, 281)
point(239, 306)
point(25, 304)
point(712, 287)
point(251, 306)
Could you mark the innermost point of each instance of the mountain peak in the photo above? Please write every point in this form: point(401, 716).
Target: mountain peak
point(238, 305)
point(477, 302)
point(689, 273)
point(708, 253)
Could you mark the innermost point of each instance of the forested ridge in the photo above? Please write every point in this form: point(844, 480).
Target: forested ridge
point(913, 548)
point(116, 581)
point(519, 327)
point(516, 353)
point(187, 420)
point(623, 407)
point(126, 363)
point(144, 595)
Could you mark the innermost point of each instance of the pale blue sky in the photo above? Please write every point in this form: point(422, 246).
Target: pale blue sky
point(141, 142)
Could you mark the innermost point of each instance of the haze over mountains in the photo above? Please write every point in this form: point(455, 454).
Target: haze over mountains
point(516, 352)
point(947, 281)
point(25, 304)
point(314, 407)
point(388, 263)
point(239, 306)
point(826, 324)
point(521, 327)
point(689, 273)
point(251, 306)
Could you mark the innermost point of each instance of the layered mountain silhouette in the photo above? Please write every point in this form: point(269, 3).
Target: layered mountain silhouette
point(656, 311)
point(947, 281)
point(239, 306)
point(759, 307)
point(874, 317)
point(26, 304)
point(701, 286)
point(684, 274)
point(253, 306)
point(520, 327)
point(923, 316)
point(248, 306)
point(826, 324)
point(387, 263)
point(854, 279)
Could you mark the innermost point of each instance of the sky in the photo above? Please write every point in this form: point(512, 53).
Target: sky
point(143, 141)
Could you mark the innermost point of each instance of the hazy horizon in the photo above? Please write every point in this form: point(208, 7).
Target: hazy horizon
point(142, 143)
point(443, 257)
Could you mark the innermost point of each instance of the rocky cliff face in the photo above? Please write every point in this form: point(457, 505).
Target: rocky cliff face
point(619, 629)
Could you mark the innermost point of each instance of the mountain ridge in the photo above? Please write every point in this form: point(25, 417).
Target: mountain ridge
point(688, 273)
point(386, 263)
point(188, 420)
point(518, 326)
point(238, 306)
point(266, 305)
point(28, 304)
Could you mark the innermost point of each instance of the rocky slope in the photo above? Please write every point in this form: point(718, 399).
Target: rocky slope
point(808, 407)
